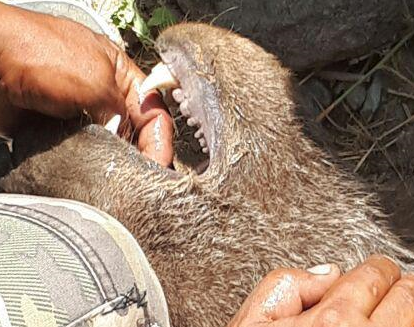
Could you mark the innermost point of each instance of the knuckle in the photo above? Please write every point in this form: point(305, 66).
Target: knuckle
point(374, 272)
point(272, 275)
point(331, 316)
point(270, 278)
point(283, 276)
point(405, 287)
point(408, 278)
point(277, 273)
point(386, 264)
point(351, 290)
point(377, 278)
point(383, 259)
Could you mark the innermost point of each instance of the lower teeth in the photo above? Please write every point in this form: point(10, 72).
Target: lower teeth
point(202, 142)
point(198, 134)
point(192, 121)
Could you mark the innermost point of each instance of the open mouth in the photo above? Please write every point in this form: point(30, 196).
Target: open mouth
point(193, 144)
point(162, 77)
point(191, 138)
point(192, 99)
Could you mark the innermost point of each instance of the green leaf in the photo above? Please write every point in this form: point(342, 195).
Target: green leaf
point(141, 29)
point(162, 17)
point(124, 15)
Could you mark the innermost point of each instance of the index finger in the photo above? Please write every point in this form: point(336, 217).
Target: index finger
point(397, 306)
point(364, 287)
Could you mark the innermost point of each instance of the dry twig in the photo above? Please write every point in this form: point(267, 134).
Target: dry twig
point(378, 66)
point(401, 94)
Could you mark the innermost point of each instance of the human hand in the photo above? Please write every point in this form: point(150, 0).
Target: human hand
point(374, 294)
point(61, 68)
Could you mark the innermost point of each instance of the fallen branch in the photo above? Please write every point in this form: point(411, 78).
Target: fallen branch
point(378, 66)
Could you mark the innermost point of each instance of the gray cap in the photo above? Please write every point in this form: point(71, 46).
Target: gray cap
point(78, 11)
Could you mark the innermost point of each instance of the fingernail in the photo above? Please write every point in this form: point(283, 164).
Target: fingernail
point(321, 269)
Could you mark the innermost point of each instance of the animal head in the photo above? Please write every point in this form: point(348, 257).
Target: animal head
point(240, 98)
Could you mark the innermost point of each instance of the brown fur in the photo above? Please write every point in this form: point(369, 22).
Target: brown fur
point(270, 197)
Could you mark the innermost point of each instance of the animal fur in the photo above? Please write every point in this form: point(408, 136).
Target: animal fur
point(269, 198)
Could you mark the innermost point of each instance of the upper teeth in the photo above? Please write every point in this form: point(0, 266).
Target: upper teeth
point(178, 95)
point(192, 121)
point(184, 108)
point(202, 142)
point(160, 78)
point(199, 133)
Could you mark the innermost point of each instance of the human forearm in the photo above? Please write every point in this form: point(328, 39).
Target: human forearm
point(10, 21)
point(61, 68)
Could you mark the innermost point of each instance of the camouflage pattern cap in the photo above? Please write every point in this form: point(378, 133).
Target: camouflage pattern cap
point(64, 263)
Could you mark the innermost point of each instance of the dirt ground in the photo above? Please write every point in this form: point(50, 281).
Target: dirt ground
point(372, 129)
point(303, 33)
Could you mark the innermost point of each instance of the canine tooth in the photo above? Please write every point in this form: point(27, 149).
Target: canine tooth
point(202, 142)
point(160, 78)
point(199, 133)
point(178, 95)
point(113, 124)
point(205, 150)
point(192, 121)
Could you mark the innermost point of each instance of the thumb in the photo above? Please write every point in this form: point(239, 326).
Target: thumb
point(289, 292)
point(148, 114)
point(129, 78)
point(286, 292)
point(124, 72)
point(124, 97)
